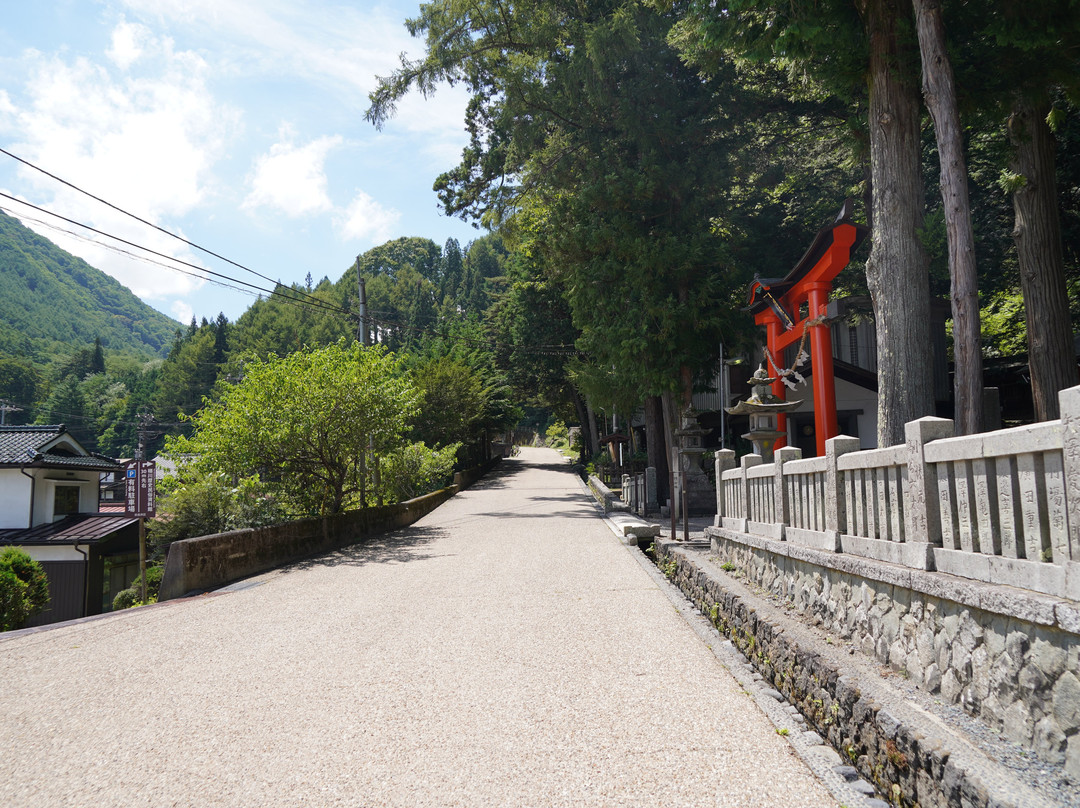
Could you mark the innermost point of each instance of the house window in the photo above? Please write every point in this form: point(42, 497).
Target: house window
point(66, 501)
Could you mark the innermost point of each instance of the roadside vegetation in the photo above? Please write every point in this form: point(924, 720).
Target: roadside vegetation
point(631, 167)
point(24, 588)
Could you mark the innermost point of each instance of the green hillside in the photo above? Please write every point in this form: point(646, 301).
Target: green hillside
point(51, 301)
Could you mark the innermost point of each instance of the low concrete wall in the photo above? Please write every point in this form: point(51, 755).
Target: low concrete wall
point(605, 496)
point(207, 562)
point(1007, 656)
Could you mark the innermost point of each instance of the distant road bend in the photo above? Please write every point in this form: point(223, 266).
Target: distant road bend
point(507, 650)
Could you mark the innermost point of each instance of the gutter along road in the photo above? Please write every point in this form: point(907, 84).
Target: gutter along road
point(506, 650)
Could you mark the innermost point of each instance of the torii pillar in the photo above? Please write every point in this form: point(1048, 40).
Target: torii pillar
point(778, 306)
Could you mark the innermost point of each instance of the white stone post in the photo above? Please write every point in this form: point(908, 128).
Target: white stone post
point(922, 509)
point(835, 502)
point(781, 503)
point(747, 462)
point(1069, 402)
point(725, 461)
point(650, 490)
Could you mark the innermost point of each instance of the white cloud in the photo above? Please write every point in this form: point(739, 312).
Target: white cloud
point(367, 219)
point(146, 142)
point(438, 121)
point(127, 39)
point(292, 179)
point(333, 41)
point(322, 43)
point(181, 310)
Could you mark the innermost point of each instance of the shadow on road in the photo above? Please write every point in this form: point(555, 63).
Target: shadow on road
point(398, 547)
point(408, 544)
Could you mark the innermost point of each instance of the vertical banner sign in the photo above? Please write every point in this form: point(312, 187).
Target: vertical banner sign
point(139, 488)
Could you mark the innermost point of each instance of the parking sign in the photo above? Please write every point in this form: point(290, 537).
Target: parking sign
point(139, 488)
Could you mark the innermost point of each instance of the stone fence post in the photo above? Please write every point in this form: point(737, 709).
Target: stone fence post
point(835, 497)
point(922, 509)
point(747, 462)
point(651, 504)
point(725, 461)
point(781, 503)
point(1069, 402)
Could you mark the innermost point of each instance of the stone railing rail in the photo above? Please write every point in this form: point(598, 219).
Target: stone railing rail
point(1001, 507)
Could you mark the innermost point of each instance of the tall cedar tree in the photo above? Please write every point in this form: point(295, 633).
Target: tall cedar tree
point(939, 88)
point(604, 154)
point(863, 48)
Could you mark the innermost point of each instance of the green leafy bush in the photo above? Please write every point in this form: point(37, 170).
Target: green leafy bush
point(417, 470)
point(557, 435)
point(125, 599)
point(24, 588)
point(201, 503)
point(132, 596)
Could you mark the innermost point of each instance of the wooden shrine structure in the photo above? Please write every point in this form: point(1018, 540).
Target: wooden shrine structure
point(792, 309)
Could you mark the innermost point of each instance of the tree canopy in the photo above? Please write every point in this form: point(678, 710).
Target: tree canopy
point(304, 423)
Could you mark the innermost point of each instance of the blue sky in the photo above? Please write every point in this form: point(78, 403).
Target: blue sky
point(236, 123)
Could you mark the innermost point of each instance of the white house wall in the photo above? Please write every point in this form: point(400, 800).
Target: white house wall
point(848, 397)
point(61, 552)
point(49, 479)
point(14, 499)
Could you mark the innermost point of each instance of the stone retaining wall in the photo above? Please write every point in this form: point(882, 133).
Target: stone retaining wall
point(893, 755)
point(1008, 657)
point(207, 562)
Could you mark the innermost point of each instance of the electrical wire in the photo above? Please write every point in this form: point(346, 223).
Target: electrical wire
point(307, 299)
point(41, 409)
point(293, 296)
point(133, 216)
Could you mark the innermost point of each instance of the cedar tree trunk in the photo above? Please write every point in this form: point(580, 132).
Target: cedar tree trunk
point(939, 88)
point(1037, 233)
point(897, 270)
point(656, 444)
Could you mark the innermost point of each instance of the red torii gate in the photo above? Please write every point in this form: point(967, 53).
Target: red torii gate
point(778, 305)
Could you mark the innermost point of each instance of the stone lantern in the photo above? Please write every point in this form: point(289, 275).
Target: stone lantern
point(763, 407)
point(700, 495)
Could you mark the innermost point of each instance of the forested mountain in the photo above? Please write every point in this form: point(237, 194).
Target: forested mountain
point(52, 303)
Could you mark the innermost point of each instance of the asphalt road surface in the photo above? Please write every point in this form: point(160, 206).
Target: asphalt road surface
point(506, 650)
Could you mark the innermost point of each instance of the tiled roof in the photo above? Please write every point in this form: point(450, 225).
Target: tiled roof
point(90, 461)
point(83, 528)
point(19, 444)
point(25, 446)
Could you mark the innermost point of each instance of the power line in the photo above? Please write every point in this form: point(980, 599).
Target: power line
point(307, 299)
point(119, 251)
point(41, 408)
point(294, 297)
point(133, 216)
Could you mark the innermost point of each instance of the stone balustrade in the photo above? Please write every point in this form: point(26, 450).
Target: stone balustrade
point(1000, 507)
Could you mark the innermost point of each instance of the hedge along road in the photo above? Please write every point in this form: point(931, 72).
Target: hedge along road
point(506, 650)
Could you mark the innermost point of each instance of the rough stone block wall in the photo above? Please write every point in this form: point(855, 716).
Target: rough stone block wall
point(1015, 668)
point(896, 757)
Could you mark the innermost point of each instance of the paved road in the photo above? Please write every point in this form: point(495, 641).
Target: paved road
point(505, 651)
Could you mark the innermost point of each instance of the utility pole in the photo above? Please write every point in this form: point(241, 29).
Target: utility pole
point(363, 336)
point(145, 419)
